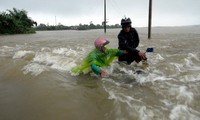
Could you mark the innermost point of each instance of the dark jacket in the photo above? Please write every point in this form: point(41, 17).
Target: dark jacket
point(128, 41)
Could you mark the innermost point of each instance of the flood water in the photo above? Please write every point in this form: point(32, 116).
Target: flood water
point(36, 82)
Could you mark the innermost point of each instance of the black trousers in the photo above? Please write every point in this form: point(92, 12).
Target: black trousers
point(130, 57)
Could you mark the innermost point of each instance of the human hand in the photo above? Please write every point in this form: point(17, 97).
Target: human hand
point(142, 55)
point(125, 52)
point(103, 73)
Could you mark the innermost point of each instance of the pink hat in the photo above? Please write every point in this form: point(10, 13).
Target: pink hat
point(100, 42)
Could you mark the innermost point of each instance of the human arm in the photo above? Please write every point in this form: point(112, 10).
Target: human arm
point(97, 70)
point(140, 53)
point(121, 52)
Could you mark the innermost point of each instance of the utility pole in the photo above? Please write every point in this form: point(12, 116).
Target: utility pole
point(150, 17)
point(104, 16)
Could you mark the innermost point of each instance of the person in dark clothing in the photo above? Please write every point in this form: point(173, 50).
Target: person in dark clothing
point(128, 39)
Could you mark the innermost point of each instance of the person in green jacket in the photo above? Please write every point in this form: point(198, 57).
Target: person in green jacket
point(100, 56)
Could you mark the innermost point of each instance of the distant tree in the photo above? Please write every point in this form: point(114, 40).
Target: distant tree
point(83, 27)
point(16, 21)
point(41, 27)
point(92, 26)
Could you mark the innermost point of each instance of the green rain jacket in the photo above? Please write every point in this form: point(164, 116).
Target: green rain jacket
point(96, 59)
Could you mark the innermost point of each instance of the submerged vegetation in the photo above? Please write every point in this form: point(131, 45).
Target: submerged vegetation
point(16, 22)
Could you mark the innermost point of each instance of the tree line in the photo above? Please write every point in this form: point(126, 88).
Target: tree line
point(16, 21)
point(77, 27)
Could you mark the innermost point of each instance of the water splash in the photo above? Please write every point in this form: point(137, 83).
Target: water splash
point(183, 112)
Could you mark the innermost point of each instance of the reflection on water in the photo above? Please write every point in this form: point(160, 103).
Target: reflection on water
point(36, 82)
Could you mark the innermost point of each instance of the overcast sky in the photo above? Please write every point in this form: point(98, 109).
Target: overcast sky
point(74, 12)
